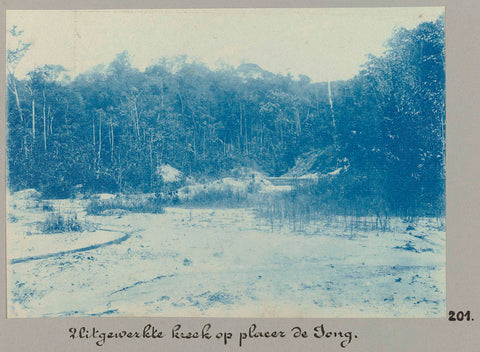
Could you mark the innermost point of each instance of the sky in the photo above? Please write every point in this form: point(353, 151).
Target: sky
point(324, 44)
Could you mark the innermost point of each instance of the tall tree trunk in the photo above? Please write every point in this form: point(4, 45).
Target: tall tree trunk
point(330, 100)
point(33, 120)
point(194, 145)
point(25, 146)
point(261, 135)
point(181, 102)
point(20, 112)
point(17, 98)
point(93, 132)
point(316, 103)
point(99, 141)
point(136, 118)
point(331, 104)
point(246, 135)
point(151, 161)
point(65, 117)
point(204, 145)
point(12, 86)
point(241, 127)
point(50, 121)
point(44, 122)
point(111, 141)
point(298, 124)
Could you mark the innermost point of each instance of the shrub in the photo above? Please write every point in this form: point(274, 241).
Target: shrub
point(135, 204)
point(46, 206)
point(56, 223)
point(11, 218)
point(226, 197)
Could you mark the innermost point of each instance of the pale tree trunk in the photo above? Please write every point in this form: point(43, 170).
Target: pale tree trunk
point(331, 105)
point(12, 85)
point(241, 126)
point(19, 108)
point(33, 120)
point(194, 145)
point(330, 100)
point(443, 136)
point(150, 146)
point(136, 118)
point(204, 143)
point(25, 146)
point(93, 131)
point(44, 123)
point(111, 140)
point(17, 99)
point(246, 135)
point(298, 124)
point(99, 140)
point(261, 134)
point(181, 102)
point(50, 119)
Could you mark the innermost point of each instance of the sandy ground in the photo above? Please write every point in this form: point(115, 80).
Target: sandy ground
point(221, 262)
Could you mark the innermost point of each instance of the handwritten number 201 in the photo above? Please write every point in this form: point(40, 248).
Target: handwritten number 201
point(459, 316)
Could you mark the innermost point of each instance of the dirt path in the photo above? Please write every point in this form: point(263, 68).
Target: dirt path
point(71, 251)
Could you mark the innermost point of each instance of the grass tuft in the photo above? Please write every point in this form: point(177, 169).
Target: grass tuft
point(226, 197)
point(152, 204)
point(57, 223)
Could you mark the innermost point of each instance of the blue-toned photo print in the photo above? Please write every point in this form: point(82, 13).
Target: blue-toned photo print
point(226, 163)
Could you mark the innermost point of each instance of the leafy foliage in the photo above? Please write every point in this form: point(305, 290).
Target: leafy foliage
point(110, 128)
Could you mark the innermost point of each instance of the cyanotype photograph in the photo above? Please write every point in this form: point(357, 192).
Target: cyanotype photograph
point(226, 163)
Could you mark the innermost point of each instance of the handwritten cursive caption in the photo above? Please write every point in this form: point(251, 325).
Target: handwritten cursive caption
point(208, 333)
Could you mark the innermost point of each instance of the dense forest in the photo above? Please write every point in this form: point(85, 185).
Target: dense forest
point(109, 129)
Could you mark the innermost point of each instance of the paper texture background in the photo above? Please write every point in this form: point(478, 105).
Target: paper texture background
point(463, 269)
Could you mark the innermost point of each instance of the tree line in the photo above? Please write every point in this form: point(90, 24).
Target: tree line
point(110, 128)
